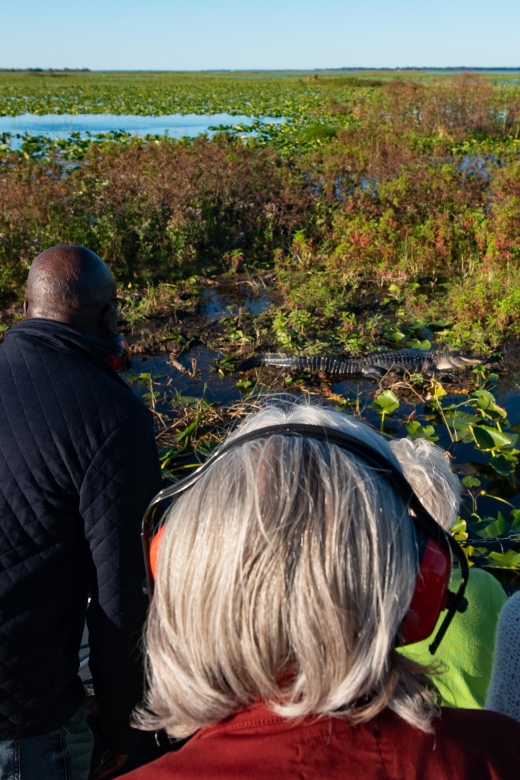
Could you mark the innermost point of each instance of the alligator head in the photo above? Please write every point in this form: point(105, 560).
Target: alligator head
point(447, 362)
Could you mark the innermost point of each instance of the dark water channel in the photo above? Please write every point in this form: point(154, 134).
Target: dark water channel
point(216, 304)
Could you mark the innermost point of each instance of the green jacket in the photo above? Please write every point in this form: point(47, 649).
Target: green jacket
point(461, 668)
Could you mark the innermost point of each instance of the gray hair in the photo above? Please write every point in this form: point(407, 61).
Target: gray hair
point(284, 574)
point(428, 472)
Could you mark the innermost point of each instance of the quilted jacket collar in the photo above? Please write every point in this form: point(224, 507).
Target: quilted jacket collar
point(64, 338)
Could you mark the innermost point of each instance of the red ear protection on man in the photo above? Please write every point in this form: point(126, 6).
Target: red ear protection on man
point(115, 350)
point(119, 355)
point(435, 547)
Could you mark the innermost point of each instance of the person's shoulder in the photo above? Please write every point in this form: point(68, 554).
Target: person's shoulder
point(508, 635)
point(475, 719)
point(511, 611)
point(463, 744)
point(481, 586)
point(474, 744)
point(90, 383)
point(112, 398)
point(479, 728)
point(477, 578)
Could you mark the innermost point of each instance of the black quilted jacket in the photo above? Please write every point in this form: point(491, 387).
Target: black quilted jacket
point(78, 466)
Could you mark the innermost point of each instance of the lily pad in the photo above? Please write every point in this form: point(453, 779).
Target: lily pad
point(470, 481)
point(507, 560)
point(386, 402)
point(487, 438)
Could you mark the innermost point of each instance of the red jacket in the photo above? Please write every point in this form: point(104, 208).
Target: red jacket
point(466, 745)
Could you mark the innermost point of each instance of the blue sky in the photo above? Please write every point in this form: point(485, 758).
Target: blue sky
point(241, 34)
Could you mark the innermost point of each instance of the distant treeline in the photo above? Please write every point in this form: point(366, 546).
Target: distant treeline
point(450, 69)
point(350, 69)
point(44, 70)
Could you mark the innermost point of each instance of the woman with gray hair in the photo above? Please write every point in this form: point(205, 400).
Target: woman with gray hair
point(287, 574)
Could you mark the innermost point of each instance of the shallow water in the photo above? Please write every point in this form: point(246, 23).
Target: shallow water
point(174, 125)
point(206, 383)
point(222, 302)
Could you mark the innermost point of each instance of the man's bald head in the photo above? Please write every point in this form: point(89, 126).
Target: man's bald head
point(72, 284)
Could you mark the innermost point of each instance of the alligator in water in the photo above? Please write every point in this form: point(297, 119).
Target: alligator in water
point(373, 366)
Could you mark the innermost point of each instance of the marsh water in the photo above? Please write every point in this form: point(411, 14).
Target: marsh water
point(173, 125)
point(205, 381)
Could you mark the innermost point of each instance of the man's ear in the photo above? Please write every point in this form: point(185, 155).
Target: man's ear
point(108, 319)
point(25, 308)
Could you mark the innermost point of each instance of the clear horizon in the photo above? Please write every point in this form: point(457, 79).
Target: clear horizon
point(237, 35)
point(265, 70)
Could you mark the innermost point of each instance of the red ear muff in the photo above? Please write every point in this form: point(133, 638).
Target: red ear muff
point(119, 356)
point(154, 551)
point(431, 593)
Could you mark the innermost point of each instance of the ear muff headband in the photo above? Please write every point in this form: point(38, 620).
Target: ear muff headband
point(431, 594)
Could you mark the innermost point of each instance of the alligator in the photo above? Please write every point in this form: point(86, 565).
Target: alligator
point(373, 366)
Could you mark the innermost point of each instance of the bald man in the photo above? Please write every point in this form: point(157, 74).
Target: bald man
point(78, 466)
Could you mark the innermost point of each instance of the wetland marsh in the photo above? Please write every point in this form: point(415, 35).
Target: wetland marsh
point(382, 213)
